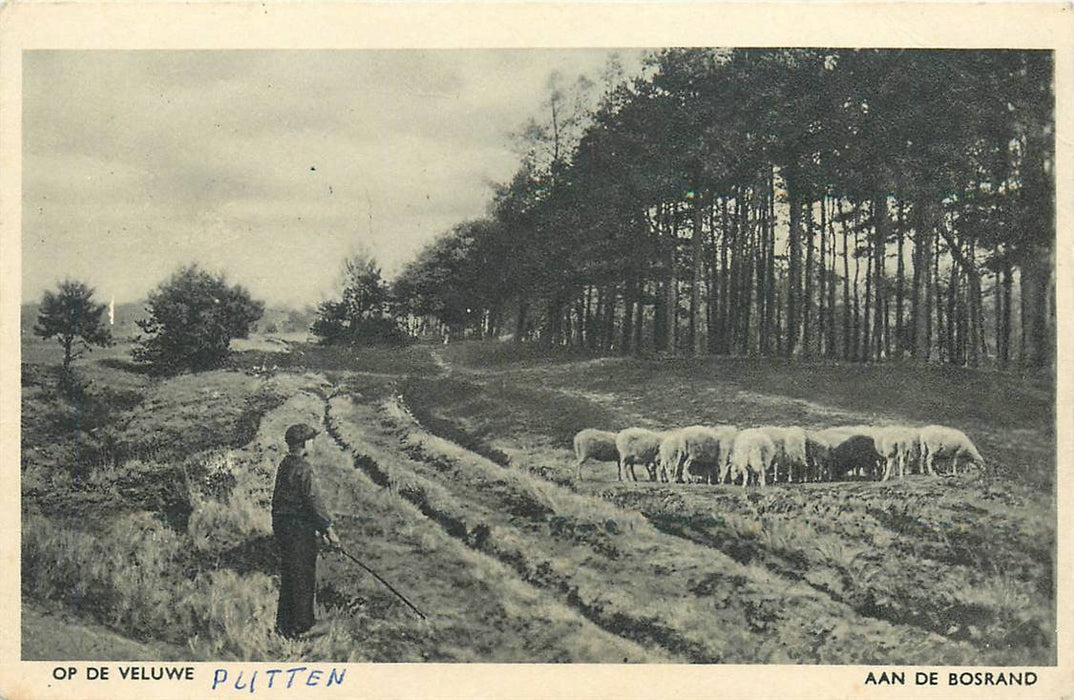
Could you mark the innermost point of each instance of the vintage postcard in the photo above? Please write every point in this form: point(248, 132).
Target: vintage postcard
point(536, 351)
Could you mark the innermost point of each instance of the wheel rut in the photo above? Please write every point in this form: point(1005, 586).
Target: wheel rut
point(440, 479)
point(477, 536)
point(548, 630)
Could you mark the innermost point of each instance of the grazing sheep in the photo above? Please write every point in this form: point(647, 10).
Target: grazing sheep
point(855, 455)
point(790, 450)
point(706, 451)
point(751, 456)
point(594, 444)
point(943, 442)
point(859, 457)
point(897, 445)
point(818, 455)
point(638, 445)
point(670, 454)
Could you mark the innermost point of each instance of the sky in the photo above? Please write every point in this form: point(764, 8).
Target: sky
point(268, 166)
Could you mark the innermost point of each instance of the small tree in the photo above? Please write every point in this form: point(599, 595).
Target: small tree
point(193, 317)
point(75, 320)
point(362, 315)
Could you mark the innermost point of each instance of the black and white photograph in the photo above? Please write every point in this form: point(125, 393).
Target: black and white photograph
point(677, 354)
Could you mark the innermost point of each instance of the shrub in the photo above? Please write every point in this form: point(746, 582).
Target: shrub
point(74, 319)
point(361, 316)
point(193, 317)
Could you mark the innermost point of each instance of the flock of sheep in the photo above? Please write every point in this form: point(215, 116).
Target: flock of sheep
point(724, 454)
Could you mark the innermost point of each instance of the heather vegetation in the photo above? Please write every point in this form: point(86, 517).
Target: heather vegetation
point(450, 469)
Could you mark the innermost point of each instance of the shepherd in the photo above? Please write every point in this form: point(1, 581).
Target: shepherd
point(300, 521)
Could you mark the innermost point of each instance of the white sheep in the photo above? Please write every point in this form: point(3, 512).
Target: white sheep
point(670, 454)
point(943, 442)
point(706, 451)
point(751, 456)
point(594, 444)
point(790, 450)
point(638, 445)
point(898, 445)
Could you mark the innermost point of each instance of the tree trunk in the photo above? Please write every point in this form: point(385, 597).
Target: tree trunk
point(771, 286)
point(555, 316)
point(628, 313)
point(660, 318)
point(822, 330)
point(846, 283)
point(922, 297)
point(948, 342)
point(831, 349)
point(697, 248)
point(736, 311)
point(887, 325)
point(1036, 255)
point(866, 346)
point(639, 311)
point(520, 324)
point(68, 342)
point(751, 231)
point(794, 264)
point(723, 344)
point(1037, 296)
point(673, 282)
point(900, 283)
point(763, 259)
point(934, 288)
point(883, 231)
point(1005, 333)
point(856, 350)
point(593, 335)
point(974, 292)
point(807, 301)
point(712, 302)
point(609, 317)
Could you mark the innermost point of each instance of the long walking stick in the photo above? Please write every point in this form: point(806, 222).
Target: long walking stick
point(379, 578)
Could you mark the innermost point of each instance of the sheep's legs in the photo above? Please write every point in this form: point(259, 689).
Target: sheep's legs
point(954, 464)
point(682, 469)
point(889, 467)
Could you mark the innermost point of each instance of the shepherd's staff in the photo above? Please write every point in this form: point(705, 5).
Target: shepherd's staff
point(339, 548)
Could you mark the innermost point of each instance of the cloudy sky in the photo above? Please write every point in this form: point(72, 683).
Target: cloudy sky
point(270, 166)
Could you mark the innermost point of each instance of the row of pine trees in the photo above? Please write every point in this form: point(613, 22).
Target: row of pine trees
point(849, 204)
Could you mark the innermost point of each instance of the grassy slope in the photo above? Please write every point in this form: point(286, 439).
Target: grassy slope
point(970, 558)
point(525, 564)
point(52, 633)
point(481, 610)
point(624, 574)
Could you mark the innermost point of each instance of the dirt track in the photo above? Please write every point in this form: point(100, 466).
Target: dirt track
point(603, 565)
point(456, 483)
